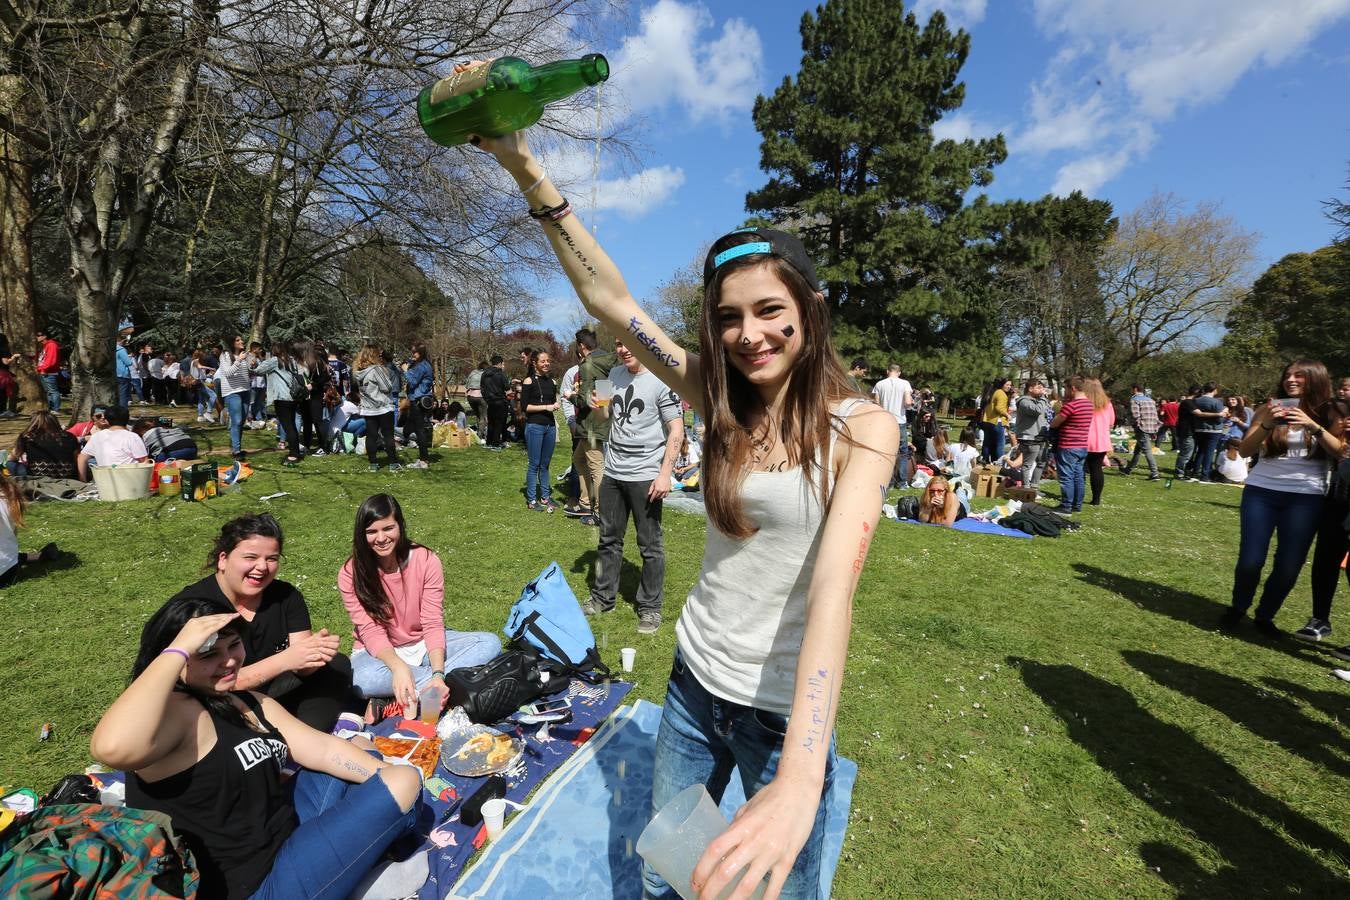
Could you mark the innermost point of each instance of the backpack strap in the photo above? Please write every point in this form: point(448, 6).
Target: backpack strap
point(589, 666)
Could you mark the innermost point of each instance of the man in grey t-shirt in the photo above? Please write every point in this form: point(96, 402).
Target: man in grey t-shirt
point(646, 428)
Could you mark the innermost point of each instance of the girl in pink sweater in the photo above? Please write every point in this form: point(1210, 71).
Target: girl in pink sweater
point(394, 591)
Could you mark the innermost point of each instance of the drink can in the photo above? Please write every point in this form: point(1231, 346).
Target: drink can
point(45, 731)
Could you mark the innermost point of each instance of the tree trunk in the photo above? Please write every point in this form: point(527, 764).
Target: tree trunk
point(18, 318)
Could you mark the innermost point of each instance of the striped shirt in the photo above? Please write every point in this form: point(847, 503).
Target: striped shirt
point(233, 374)
point(1073, 430)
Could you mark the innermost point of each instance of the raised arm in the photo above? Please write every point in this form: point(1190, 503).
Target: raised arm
point(593, 274)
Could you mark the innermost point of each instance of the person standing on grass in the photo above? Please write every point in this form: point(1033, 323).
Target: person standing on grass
point(588, 458)
point(795, 466)
point(1099, 437)
point(569, 397)
point(394, 592)
point(539, 400)
point(1031, 425)
point(856, 373)
point(646, 429)
point(1285, 490)
point(125, 364)
point(378, 385)
point(473, 392)
point(1209, 417)
point(421, 381)
point(1167, 422)
point(994, 419)
point(1333, 537)
point(1074, 421)
point(288, 393)
point(284, 657)
point(1185, 433)
point(894, 394)
point(495, 386)
point(48, 366)
point(1144, 417)
point(235, 377)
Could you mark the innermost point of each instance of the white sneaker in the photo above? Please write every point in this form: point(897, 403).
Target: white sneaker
point(419, 464)
point(201, 418)
point(210, 419)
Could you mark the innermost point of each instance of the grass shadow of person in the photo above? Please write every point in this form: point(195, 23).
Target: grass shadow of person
point(1255, 835)
point(630, 576)
point(1182, 606)
point(1332, 704)
point(1269, 716)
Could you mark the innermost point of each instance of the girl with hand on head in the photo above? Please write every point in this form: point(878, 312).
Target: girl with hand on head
point(283, 657)
point(940, 505)
point(394, 591)
point(795, 466)
point(209, 754)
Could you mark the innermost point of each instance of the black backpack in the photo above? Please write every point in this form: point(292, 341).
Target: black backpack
point(492, 691)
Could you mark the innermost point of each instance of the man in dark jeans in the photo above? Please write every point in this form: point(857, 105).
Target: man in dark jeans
point(1185, 432)
point(645, 433)
point(1210, 427)
point(494, 386)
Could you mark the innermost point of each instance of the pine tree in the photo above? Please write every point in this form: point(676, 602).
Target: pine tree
point(854, 170)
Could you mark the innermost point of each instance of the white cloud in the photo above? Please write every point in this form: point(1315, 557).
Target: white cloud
point(637, 194)
point(1125, 68)
point(676, 59)
point(963, 126)
point(961, 12)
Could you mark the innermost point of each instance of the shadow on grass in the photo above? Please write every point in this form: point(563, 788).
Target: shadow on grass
point(1266, 715)
point(630, 576)
point(1185, 781)
point(1181, 606)
point(1334, 704)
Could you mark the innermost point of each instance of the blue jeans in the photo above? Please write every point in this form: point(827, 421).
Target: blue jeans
point(138, 388)
point(124, 392)
point(257, 403)
point(185, 453)
point(344, 831)
point(234, 405)
point(50, 382)
point(206, 400)
point(372, 677)
point(702, 738)
point(1205, 444)
point(1263, 513)
point(1186, 453)
point(1069, 465)
point(994, 434)
point(539, 443)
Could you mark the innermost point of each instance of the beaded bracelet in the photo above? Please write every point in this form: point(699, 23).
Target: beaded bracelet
point(552, 213)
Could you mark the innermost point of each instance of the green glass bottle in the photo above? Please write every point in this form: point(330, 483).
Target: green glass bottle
point(502, 96)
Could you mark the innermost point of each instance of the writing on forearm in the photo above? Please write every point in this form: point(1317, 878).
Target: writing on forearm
point(650, 342)
point(862, 550)
point(820, 696)
point(352, 766)
point(576, 251)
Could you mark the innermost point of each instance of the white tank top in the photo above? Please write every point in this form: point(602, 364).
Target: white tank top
point(742, 625)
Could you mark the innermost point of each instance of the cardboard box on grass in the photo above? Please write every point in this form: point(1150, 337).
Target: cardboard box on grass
point(1025, 494)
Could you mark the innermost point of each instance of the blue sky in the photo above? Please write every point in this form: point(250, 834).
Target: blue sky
point(1243, 103)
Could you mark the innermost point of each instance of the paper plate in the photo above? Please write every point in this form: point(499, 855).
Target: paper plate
point(481, 751)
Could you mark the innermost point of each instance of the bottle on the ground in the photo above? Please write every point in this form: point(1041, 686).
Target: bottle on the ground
point(505, 95)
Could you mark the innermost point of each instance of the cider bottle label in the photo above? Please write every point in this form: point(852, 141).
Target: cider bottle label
point(464, 82)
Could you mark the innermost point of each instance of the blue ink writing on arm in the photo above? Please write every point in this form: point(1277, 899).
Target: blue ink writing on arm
point(821, 686)
point(653, 346)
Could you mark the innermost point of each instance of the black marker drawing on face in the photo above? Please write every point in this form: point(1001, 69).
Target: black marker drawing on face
point(789, 331)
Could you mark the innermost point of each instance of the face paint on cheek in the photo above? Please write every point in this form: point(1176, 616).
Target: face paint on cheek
point(789, 331)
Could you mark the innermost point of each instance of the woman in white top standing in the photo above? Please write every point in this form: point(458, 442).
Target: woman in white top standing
point(233, 373)
point(794, 469)
point(1285, 490)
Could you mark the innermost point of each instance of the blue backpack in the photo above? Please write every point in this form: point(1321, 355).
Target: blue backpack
point(548, 618)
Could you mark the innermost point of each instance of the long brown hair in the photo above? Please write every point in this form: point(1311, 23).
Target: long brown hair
point(370, 355)
point(366, 580)
point(12, 495)
point(1096, 393)
point(1314, 402)
point(817, 381)
point(926, 507)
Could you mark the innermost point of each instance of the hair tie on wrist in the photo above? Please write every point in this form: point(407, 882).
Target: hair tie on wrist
point(181, 652)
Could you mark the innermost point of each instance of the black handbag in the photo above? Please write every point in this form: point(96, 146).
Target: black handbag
point(492, 691)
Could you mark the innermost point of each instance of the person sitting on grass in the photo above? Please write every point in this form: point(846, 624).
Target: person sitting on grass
point(1232, 464)
point(202, 749)
point(687, 464)
point(11, 520)
point(44, 450)
point(939, 504)
point(965, 453)
point(115, 445)
point(166, 441)
point(98, 420)
point(394, 591)
point(284, 658)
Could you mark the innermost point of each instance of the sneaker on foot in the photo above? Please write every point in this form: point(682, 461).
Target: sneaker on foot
point(532, 506)
point(396, 467)
point(1340, 652)
point(374, 467)
point(201, 418)
point(1125, 470)
point(574, 510)
point(589, 607)
point(649, 622)
point(420, 464)
point(547, 505)
point(319, 452)
point(1314, 631)
point(593, 521)
point(1268, 628)
point(1154, 477)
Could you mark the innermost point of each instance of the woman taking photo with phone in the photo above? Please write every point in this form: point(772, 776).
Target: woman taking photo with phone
point(1285, 490)
point(209, 755)
point(795, 468)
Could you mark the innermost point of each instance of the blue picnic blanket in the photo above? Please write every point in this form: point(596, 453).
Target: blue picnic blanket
point(974, 526)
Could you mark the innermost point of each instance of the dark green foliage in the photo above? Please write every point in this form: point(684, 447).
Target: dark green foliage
point(1297, 308)
point(883, 209)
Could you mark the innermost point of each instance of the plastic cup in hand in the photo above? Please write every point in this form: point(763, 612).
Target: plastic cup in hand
point(627, 655)
point(429, 702)
point(674, 840)
point(494, 817)
point(604, 390)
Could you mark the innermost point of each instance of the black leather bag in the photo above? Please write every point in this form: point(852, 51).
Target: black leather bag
point(492, 691)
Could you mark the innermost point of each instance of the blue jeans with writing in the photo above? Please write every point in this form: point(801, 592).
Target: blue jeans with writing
point(372, 677)
point(344, 830)
point(539, 443)
point(1069, 465)
point(1289, 517)
point(702, 738)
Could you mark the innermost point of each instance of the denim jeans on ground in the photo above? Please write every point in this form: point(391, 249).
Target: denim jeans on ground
point(1143, 446)
point(50, 382)
point(702, 738)
point(372, 677)
point(618, 499)
point(1069, 466)
point(234, 405)
point(994, 434)
point(1186, 453)
point(1293, 520)
point(344, 830)
point(539, 443)
point(1206, 442)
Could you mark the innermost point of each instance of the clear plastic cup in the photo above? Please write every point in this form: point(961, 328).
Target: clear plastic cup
point(604, 390)
point(674, 840)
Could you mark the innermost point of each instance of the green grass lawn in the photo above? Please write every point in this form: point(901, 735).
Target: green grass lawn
point(1030, 718)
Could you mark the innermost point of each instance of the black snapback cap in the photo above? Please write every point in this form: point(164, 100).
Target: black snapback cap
point(757, 241)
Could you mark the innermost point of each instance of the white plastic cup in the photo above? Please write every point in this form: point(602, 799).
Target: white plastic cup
point(674, 840)
point(627, 655)
point(494, 817)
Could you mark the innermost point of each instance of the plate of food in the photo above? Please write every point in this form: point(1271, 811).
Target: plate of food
point(483, 751)
point(421, 752)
